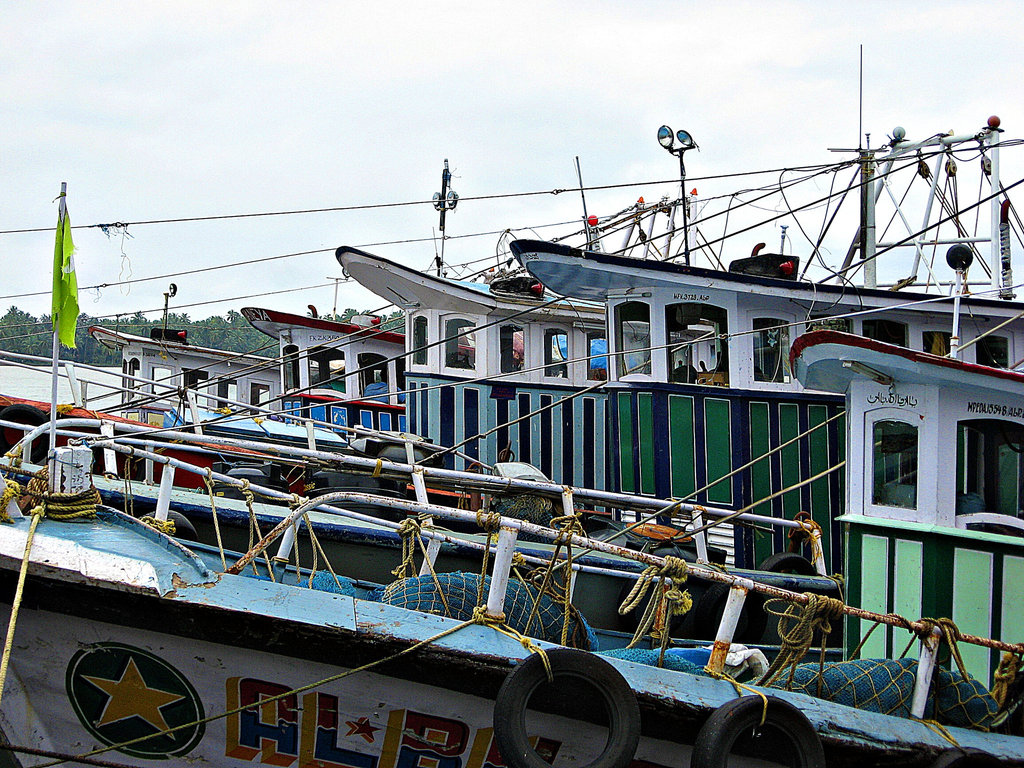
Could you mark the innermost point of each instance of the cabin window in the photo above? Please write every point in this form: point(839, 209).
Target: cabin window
point(459, 344)
point(373, 374)
point(258, 393)
point(633, 337)
point(419, 340)
point(193, 377)
point(163, 376)
point(556, 353)
point(990, 470)
point(327, 368)
point(291, 366)
point(696, 352)
point(771, 350)
point(821, 323)
point(886, 331)
point(228, 389)
point(511, 349)
point(993, 351)
point(894, 464)
point(597, 351)
point(400, 378)
point(129, 367)
point(936, 342)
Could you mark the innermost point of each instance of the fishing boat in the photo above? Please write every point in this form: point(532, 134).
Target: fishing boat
point(498, 369)
point(702, 403)
point(345, 374)
point(128, 645)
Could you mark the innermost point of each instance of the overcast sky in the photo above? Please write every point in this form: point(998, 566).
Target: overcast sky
point(177, 110)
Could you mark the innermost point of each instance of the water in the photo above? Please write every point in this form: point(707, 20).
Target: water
point(34, 384)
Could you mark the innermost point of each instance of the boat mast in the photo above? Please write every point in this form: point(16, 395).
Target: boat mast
point(444, 201)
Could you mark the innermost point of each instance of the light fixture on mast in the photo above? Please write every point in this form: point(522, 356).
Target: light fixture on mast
point(686, 142)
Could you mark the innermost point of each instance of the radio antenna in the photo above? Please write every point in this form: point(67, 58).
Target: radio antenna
point(860, 99)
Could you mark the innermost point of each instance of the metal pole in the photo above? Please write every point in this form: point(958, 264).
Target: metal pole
point(686, 210)
point(62, 213)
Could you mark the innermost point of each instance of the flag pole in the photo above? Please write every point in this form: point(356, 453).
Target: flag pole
point(62, 213)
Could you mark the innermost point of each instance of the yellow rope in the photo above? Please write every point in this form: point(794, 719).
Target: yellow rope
point(797, 625)
point(254, 527)
point(16, 604)
point(740, 687)
point(1006, 672)
point(664, 601)
point(938, 728)
point(12, 491)
point(164, 526)
point(208, 480)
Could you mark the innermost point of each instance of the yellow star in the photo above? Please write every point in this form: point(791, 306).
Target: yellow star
point(131, 697)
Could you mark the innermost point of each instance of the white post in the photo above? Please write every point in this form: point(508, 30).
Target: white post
point(71, 469)
point(995, 253)
point(925, 667)
point(499, 573)
point(163, 499)
point(76, 389)
point(310, 435)
point(434, 545)
point(62, 213)
point(109, 457)
point(194, 407)
point(818, 551)
point(954, 340)
point(700, 539)
point(727, 627)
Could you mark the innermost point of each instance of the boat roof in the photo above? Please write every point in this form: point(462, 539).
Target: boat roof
point(594, 275)
point(273, 323)
point(106, 336)
point(821, 360)
point(413, 289)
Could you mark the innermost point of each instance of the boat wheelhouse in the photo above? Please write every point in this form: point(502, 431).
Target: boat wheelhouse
point(702, 403)
point(165, 361)
point(346, 374)
point(498, 369)
point(935, 476)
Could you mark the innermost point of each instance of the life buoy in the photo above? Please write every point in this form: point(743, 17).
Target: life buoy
point(964, 758)
point(786, 733)
point(623, 714)
point(22, 413)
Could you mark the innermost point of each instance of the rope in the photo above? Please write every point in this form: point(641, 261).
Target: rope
point(1005, 674)
point(208, 480)
point(665, 601)
point(254, 528)
point(12, 491)
point(740, 687)
point(164, 526)
point(817, 614)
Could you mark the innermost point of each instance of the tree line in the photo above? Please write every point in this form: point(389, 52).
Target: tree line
point(26, 334)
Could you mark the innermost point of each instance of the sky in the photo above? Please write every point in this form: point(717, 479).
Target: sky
point(160, 111)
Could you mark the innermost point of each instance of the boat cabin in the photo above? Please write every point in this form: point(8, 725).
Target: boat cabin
point(160, 364)
point(935, 479)
point(348, 374)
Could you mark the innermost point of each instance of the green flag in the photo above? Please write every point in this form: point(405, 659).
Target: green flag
point(65, 284)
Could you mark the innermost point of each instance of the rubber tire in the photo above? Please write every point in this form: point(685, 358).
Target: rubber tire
point(514, 695)
point(707, 615)
point(788, 562)
point(719, 733)
point(183, 528)
point(964, 758)
point(24, 414)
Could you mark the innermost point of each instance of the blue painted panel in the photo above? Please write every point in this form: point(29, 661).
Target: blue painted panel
point(366, 418)
point(385, 420)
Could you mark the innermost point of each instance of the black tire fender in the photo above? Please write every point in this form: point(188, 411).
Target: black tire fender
point(23, 413)
point(732, 720)
point(788, 562)
point(964, 758)
point(708, 610)
point(183, 528)
point(520, 684)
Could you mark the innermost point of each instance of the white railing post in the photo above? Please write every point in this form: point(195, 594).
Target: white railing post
point(163, 499)
point(71, 469)
point(434, 545)
point(109, 457)
point(818, 551)
point(500, 572)
point(727, 627)
point(700, 539)
point(925, 667)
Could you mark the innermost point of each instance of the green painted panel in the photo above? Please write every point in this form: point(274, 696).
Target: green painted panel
point(907, 581)
point(761, 472)
point(1012, 629)
point(972, 605)
point(645, 438)
point(874, 593)
point(627, 445)
point(681, 446)
point(718, 450)
point(789, 457)
point(821, 509)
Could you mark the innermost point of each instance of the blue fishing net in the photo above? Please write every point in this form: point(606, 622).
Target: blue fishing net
point(650, 656)
point(887, 686)
point(533, 509)
point(460, 590)
point(323, 581)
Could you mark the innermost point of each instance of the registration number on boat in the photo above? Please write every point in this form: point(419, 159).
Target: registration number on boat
point(692, 296)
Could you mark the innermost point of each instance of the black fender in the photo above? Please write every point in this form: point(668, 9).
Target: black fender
point(786, 734)
point(623, 713)
point(964, 758)
point(23, 413)
point(708, 610)
point(788, 562)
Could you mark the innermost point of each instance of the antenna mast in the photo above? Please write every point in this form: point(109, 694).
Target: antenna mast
point(444, 201)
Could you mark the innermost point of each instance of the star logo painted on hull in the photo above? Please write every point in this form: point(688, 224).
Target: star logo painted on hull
point(121, 694)
point(361, 727)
